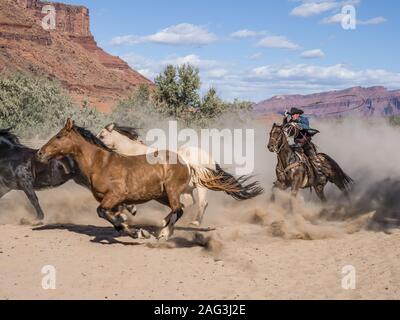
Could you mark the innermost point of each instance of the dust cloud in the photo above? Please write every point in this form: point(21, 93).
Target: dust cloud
point(365, 149)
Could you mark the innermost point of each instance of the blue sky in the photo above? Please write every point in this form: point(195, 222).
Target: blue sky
point(255, 49)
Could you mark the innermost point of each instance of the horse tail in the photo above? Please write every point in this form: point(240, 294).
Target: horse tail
point(337, 176)
point(219, 180)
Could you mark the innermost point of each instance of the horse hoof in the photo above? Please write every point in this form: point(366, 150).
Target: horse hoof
point(144, 234)
point(164, 223)
point(33, 223)
point(165, 234)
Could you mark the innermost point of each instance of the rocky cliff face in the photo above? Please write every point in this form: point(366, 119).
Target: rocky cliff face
point(69, 53)
point(358, 101)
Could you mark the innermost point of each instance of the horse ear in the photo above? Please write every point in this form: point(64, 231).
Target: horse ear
point(110, 127)
point(69, 125)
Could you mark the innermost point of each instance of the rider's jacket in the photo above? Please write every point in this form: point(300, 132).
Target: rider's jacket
point(303, 122)
point(305, 135)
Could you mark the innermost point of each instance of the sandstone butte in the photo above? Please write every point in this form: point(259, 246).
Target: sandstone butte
point(69, 53)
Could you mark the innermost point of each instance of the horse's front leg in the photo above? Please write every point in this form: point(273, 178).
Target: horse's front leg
point(297, 181)
point(277, 185)
point(110, 211)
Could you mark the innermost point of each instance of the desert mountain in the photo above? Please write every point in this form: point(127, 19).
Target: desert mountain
point(69, 53)
point(357, 101)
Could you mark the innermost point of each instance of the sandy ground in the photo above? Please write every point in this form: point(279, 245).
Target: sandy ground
point(257, 251)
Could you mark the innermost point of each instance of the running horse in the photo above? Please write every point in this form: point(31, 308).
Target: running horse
point(19, 170)
point(117, 180)
point(294, 170)
point(125, 140)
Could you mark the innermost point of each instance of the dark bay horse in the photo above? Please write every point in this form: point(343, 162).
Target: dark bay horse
point(19, 170)
point(116, 180)
point(294, 170)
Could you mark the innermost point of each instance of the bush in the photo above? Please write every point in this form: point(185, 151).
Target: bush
point(139, 110)
point(394, 120)
point(33, 106)
point(38, 107)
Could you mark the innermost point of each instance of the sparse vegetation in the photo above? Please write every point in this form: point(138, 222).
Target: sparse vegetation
point(36, 106)
point(394, 120)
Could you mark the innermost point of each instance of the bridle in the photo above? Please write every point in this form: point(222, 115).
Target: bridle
point(278, 141)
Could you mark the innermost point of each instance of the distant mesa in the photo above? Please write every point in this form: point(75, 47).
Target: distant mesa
point(356, 102)
point(69, 53)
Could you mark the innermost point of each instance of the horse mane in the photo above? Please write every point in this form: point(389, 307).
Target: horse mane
point(90, 137)
point(128, 132)
point(12, 138)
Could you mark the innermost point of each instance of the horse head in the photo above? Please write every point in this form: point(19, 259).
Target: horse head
point(277, 137)
point(113, 134)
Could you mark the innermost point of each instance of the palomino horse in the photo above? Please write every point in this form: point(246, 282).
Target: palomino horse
point(116, 179)
point(125, 140)
point(295, 170)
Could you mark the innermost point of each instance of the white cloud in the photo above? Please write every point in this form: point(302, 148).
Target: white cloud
point(265, 81)
point(217, 73)
point(121, 40)
point(336, 74)
point(337, 18)
point(141, 64)
point(313, 8)
point(180, 34)
point(256, 56)
point(313, 54)
point(192, 59)
point(150, 68)
point(376, 20)
point(245, 33)
point(277, 42)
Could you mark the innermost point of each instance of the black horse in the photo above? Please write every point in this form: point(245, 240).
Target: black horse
point(19, 170)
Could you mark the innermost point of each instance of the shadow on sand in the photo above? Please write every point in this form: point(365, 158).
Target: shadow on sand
point(108, 235)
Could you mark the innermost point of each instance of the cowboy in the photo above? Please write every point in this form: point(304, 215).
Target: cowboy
point(303, 139)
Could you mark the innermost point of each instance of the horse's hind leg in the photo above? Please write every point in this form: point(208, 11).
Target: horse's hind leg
point(176, 213)
point(202, 206)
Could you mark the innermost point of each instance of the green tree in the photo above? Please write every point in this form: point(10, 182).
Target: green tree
point(167, 90)
point(189, 85)
point(212, 106)
point(177, 90)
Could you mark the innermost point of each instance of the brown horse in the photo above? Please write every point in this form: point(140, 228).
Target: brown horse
point(117, 180)
point(296, 171)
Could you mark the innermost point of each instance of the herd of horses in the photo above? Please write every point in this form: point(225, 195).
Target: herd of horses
point(114, 166)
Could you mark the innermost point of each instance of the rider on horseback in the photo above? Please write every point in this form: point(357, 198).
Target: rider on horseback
point(302, 140)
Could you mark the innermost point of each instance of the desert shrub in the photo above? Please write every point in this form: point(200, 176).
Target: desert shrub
point(394, 120)
point(33, 106)
point(139, 110)
point(177, 95)
point(38, 107)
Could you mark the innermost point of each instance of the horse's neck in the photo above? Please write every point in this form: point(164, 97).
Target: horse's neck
point(86, 154)
point(284, 155)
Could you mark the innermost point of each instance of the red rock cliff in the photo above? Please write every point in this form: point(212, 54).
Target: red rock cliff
point(68, 53)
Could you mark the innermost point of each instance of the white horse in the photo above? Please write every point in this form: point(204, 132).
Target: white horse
point(125, 140)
